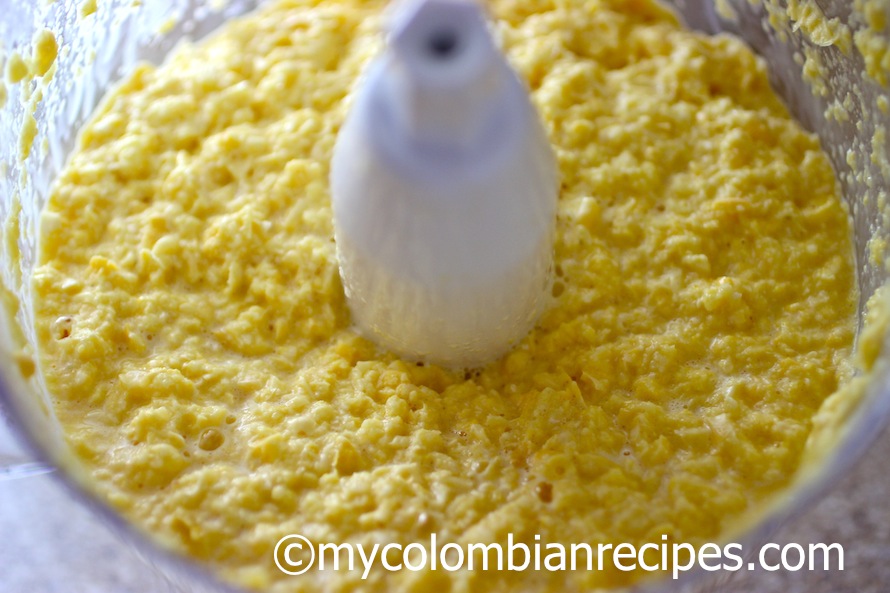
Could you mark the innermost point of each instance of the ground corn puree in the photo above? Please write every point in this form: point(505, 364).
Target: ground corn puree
point(195, 337)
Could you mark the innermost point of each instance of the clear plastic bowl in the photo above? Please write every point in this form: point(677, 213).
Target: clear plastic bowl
point(102, 48)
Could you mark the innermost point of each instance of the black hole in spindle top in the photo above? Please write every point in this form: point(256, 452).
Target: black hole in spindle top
point(443, 43)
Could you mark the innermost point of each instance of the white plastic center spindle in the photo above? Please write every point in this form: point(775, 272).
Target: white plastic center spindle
point(444, 191)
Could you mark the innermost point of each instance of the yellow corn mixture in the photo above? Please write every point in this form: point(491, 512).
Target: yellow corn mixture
point(196, 341)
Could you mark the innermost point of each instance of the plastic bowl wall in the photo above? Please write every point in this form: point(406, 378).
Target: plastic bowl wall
point(103, 47)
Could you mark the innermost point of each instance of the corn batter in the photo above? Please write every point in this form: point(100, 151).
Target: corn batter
point(195, 337)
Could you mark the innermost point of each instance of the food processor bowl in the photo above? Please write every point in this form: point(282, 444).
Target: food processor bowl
point(99, 49)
